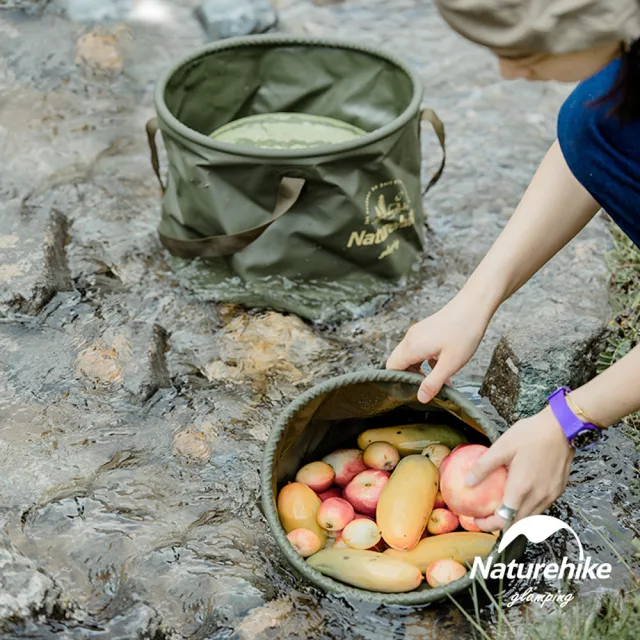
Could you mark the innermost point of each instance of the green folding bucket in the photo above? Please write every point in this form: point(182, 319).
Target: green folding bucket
point(330, 416)
point(345, 210)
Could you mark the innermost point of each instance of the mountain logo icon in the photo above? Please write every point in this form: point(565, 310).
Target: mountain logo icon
point(537, 529)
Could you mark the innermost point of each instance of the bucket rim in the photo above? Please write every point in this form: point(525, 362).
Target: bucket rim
point(174, 126)
point(409, 598)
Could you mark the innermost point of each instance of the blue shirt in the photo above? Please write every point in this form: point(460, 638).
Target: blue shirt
point(602, 153)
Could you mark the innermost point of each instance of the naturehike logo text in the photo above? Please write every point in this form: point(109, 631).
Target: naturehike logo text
point(387, 209)
point(538, 529)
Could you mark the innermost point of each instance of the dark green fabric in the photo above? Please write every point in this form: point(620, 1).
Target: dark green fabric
point(330, 416)
point(360, 211)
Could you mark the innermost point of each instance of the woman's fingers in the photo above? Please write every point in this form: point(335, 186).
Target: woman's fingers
point(408, 354)
point(440, 374)
point(500, 454)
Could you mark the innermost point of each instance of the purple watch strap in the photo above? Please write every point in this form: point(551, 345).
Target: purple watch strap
point(570, 423)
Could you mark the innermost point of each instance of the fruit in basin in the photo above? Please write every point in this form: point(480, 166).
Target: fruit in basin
point(318, 476)
point(382, 456)
point(413, 438)
point(334, 514)
point(406, 502)
point(479, 501)
point(361, 534)
point(436, 453)
point(304, 541)
point(460, 546)
point(346, 463)
point(469, 524)
point(333, 492)
point(442, 521)
point(439, 503)
point(367, 570)
point(443, 572)
point(298, 509)
point(363, 492)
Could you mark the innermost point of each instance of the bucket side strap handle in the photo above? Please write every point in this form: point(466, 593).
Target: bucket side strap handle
point(152, 130)
point(438, 126)
point(216, 246)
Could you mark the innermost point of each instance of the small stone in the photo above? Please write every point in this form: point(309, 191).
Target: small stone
point(100, 52)
point(530, 363)
point(268, 616)
point(191, 445)
point(99, 364)
point(230, 18)
point(33, 259)
point(24, 590)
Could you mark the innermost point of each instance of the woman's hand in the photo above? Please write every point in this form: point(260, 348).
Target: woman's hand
point(538, 459)
point(447, 340)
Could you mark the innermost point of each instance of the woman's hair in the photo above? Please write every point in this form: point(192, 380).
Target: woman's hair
point(626, 89)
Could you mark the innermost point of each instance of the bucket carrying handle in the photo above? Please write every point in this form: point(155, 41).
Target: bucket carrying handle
point(438, 126)
point(152, 130)
point(289, 191)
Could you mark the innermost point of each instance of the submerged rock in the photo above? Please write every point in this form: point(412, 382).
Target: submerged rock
point(33, 259)
point(24, 590)
point(230, 18)
point(191, 445)
point(530, 363)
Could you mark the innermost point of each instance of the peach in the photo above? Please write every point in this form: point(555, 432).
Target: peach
point(304, 541)
point(436, 453)
point(346, 463)
point(318, 476)
point(442, 521)
point(381, 455)
point(479, 501)
point(363, 492)
point(334, 514)
point(438, 504)
point(360, 516)
point(361, 534)
point(469, 524)
point(333, 492)
point(443, 572)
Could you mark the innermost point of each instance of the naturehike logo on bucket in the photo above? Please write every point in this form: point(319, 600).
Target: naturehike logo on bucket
point(387, 208)
point(538, 529)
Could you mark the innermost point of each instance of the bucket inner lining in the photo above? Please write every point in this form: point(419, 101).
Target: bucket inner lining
point(349, 85)
point(336, 418)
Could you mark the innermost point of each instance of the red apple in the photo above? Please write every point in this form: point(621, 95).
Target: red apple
point(363, 492)
point(334, 514)
point(304, 541)
point(361, 534)
point(318, 476)
point(469, 524)
point(381, 455)
point(439, 503)
point(479, 501)
point(443, 572)
point(333, 492)
point(442, 521)
point(346, 463)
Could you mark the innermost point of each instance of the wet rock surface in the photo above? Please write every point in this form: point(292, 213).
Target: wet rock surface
point(532, 362)
point(230, 18)
point(130, 528)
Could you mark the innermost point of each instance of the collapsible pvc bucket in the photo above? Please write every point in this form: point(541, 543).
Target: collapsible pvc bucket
point(331, 415)
point(338, 213)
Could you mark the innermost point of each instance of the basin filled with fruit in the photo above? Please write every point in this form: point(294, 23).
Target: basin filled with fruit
point(363, 488)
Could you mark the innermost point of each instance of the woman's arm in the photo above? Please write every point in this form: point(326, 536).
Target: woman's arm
point(536, 451)
point(553, 210)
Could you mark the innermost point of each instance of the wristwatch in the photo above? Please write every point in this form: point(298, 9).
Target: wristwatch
point(579, 434)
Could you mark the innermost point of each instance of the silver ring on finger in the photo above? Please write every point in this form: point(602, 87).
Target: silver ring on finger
point(506, 512)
